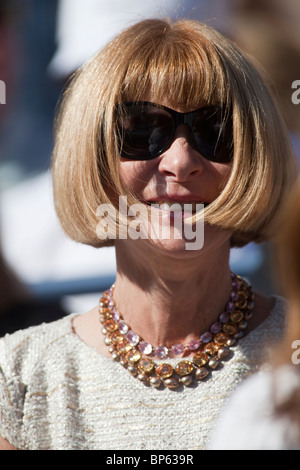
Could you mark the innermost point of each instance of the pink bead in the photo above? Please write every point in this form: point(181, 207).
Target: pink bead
point(132, 337)
point(230, 307)
point(193, 345)
point(145, 348)
point(216, 327)
point(177, 349)
point(161, 352)
point(234, 296)
point(224, 317)
point(206, 337)
point(115, 315)
point(122, 327)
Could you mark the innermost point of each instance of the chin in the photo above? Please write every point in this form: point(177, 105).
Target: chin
point(198, 242)
point(171, 236)
point(177, 248)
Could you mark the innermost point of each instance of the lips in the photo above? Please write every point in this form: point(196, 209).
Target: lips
point(177, 206)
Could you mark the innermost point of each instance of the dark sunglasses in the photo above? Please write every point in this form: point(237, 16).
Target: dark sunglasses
point(147, 129)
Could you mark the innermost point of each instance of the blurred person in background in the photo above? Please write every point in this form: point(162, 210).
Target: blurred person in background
point(269, 31)
point(167, 111)
point(264, 412)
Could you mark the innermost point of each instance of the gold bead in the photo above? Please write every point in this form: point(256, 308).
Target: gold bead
point(133, 356)
point(155, 381)
point(230, 342)
point(146, 365)
point(184, 368)
point(236, 316)
point(164, 370)
point(242, 292)
point(249, 314)
point(243, 325)
point(116, 337)
point(201, 373)
point(200, 359)
point(132, 369)
point(171, 383)
point(242, 303)
point(186, 380)
point(223, 352)
point(143, 378)
point(123, 361)
point(213, 363)
point(124, 347)
point(115, 356)
point(211, 348)
point(221, 338)
point(105, 312)
point(230, 328)
point(110, 326)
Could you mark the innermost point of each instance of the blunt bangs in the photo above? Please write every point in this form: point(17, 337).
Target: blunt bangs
point(177, 66)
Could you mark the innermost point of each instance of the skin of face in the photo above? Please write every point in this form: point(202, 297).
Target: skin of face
point(180, 175)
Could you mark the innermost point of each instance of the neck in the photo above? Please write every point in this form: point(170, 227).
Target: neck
point(166, 300)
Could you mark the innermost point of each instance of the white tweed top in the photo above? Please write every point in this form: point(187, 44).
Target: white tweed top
point(259, 426)
point(58, 393)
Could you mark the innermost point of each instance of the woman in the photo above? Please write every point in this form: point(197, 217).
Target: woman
point(166, 113)
point(271, 420)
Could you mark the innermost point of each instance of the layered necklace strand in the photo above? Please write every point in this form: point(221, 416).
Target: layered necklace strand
point(208, 351)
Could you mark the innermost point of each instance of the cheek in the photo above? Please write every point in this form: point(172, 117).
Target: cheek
point(135, 175)
point(222, 173)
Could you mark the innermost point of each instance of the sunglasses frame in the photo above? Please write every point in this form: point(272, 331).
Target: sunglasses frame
point(178, 118)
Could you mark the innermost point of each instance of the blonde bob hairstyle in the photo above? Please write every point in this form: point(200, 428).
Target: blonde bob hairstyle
point(188, 64)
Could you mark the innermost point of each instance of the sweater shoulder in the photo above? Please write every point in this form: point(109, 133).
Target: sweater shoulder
point(20, 351)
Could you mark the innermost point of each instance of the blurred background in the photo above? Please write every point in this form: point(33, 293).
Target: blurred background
point(43, 275)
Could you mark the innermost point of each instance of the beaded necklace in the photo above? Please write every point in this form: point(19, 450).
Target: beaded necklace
point(208, 351)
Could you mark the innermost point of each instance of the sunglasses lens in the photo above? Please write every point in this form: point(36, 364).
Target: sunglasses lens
point(213, 137)
point(144, 131)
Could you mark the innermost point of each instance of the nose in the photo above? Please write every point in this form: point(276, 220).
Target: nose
point(181, 160)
